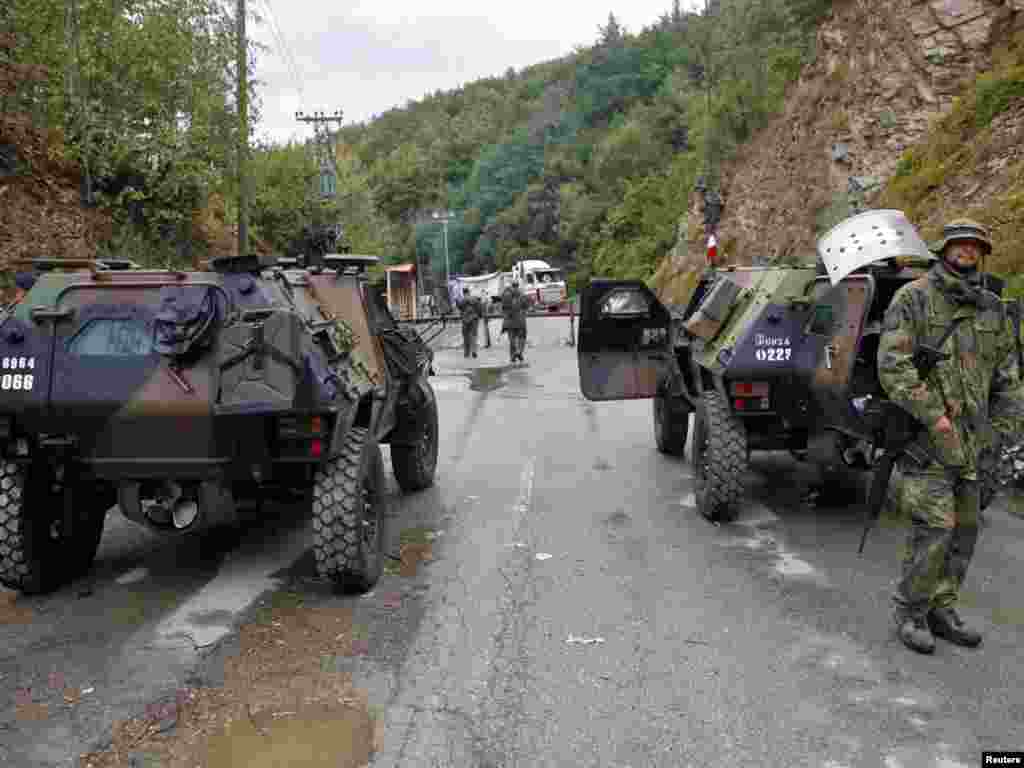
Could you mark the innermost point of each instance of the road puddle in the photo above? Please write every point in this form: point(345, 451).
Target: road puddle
point(315, 737)
point(487, 378)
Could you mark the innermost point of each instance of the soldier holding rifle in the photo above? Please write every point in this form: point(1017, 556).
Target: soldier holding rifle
point(972, 396)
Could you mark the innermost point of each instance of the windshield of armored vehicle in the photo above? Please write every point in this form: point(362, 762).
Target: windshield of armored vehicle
point(114, 337)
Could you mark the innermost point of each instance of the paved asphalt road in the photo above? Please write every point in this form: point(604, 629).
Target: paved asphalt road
point(578, 611)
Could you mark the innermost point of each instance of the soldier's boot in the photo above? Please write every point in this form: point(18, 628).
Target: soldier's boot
point(913, 631)
point(947, 624)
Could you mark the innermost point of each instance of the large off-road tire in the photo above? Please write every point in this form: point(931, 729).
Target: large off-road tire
point(36, 556)
point(415, 464)
point(671, 425)
point(719, 459)
point(348, 515)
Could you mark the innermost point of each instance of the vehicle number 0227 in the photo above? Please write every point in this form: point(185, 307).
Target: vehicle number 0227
point(774, 354)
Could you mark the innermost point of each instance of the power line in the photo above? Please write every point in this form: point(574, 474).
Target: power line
point(287, 55)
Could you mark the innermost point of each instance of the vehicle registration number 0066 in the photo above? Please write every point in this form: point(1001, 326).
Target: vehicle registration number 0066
point(774, 354)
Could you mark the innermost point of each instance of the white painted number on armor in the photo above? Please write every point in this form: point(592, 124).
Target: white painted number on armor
point(22, 382)
point(17, 381)
point(18, 362)
point(774, 354)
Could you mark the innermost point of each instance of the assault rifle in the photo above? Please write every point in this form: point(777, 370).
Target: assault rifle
point(901, 429)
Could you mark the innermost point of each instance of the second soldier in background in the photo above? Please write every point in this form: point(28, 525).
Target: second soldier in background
point(513, 308)
point(471, 309)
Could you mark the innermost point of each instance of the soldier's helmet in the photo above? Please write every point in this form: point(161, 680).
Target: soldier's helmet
point(963, 229)
point(25, 280)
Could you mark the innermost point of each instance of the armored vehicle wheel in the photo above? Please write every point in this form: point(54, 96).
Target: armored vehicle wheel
point(415, 464)
point(36, 556)
point(671, 425)
point(348, 514)
point(719, 459)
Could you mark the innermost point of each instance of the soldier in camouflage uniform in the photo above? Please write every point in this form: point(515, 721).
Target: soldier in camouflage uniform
point(970, 399)
point(472, 310)
point(513, 307)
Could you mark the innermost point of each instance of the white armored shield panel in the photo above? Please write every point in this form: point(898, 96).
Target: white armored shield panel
point(866, 238)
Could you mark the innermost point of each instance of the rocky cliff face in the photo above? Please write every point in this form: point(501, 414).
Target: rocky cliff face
point(884, 71)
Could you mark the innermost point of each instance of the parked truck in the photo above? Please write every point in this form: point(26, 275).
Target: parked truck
point(541, 283)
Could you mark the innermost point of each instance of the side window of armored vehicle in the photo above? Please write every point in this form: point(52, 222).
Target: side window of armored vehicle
point(624, 302)
point(112, 337)
point(625, 305)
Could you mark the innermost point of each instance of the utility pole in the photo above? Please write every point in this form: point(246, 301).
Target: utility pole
point(243, 135)
point(317, 119)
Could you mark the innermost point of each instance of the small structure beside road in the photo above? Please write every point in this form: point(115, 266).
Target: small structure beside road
point(400, 283)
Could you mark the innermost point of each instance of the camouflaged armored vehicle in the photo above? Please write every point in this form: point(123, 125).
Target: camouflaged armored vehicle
point(766, 358)
point(186, 397)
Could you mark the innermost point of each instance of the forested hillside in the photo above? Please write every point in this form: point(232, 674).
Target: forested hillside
point(119, 124)
point(585, 161)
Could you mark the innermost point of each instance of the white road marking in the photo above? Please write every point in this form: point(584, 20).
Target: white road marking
point(791, 565)
point(689, 500)
point(132, 576)
point(208, 615)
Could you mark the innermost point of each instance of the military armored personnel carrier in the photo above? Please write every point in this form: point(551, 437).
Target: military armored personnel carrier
point(765, 358)
point(185, 397)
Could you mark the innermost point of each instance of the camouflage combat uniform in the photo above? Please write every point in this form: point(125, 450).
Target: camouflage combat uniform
point(513, 307)
point(978, 388)
point(472, 310)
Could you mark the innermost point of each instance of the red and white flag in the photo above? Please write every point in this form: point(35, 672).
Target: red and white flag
point(712, 252)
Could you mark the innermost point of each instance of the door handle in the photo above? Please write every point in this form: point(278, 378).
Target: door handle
point(42, 313)
point(829, 351)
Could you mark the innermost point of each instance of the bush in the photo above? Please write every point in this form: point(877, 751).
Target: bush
point(995, 94)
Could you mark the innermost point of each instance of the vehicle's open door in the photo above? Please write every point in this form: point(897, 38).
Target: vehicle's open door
point(624, 345)
point(831, 347)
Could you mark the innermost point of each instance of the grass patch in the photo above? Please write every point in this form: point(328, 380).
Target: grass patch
point(281, 600)
point(138, 607)
point(996, 92)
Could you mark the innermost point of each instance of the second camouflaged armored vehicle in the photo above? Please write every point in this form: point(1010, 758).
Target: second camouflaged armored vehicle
point(766, 358)
point(183, 397)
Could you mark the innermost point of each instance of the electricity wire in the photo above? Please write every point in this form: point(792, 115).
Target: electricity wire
point(287, 56)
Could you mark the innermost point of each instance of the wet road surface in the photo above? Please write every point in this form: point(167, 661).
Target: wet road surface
point(575, 611)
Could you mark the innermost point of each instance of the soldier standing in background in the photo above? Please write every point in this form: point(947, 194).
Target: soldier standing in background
point(513, 307)
point(23, 282)
point(970, 398)
point(472, 310)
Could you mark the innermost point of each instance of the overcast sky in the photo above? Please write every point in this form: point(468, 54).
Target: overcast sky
point(367, 56)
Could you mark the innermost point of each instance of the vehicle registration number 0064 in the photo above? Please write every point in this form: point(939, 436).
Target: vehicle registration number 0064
point(22, 381)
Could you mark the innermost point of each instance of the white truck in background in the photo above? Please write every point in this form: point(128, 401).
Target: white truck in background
point(541, 283)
